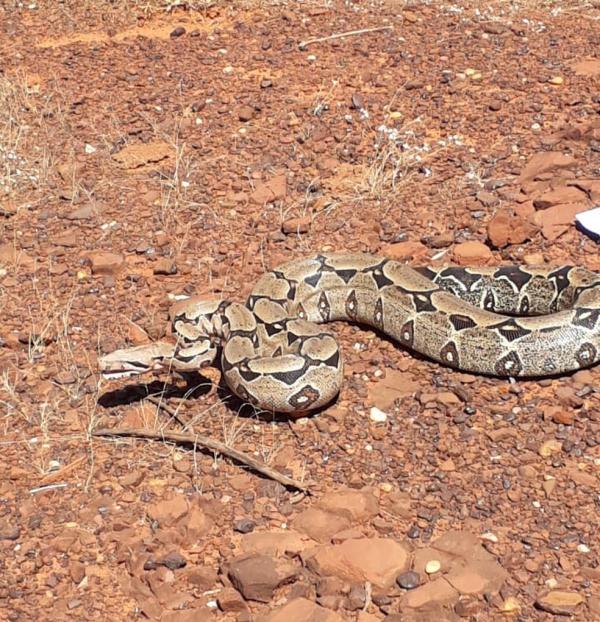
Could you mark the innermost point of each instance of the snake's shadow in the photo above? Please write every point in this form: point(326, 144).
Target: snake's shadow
point(195, 386)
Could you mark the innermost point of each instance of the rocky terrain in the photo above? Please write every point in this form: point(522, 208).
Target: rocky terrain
point(151, 151)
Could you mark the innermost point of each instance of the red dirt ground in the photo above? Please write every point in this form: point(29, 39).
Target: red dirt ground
point(137, 166)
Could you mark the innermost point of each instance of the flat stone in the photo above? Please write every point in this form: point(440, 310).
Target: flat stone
point(472, 252)
point(377, 560)
point(105, 262)
point(256, 577)
point(558, 602)
point(301, 610)
point(357, 505)
point(507, 227)
point(274, 543)
point(319, 524)
point(438, 591)
point(545, 162)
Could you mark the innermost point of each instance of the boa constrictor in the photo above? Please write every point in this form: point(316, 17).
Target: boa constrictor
point(513, 321)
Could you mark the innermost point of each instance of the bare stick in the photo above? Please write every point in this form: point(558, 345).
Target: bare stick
point(351, 33)
point(208, 443)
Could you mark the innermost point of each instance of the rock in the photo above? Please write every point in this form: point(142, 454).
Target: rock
point(472, 253)
point(558, 196)
point(177, 32)
point(165, 266)
point(546, 162)
point(256, 577)
point(105, 262)
point(403, 251)
point(9, 532)
point(357, 505)
point(408, 580)
point(554, 221)
point(507, 227)
point(272, 190)
point(229, 600)
point(198, 614)
point(438, 591)
point(487, 199)
point(547, 448)
point(377, 560)
point(245, 114)
point(301, 610)
point(558, 602)
point(274, 543)
point(588, 67)
point(433, 566)
point(173, 561)
point(85, 212)
point(244, 525)
point(477, 577)
point(319, 524)
point(296, 225)
point(168, 511)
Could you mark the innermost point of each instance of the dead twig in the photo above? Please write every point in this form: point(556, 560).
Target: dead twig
point(207, 443)
point(351, 33)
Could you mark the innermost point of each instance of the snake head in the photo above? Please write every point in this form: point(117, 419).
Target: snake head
point(137, 360)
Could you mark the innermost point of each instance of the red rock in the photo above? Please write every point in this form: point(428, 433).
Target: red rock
point(301, 610)
point(166, 512)
point(256, 577)
point(165, 266)
point(296, 225)
point(559, 602)
point(269, 191)
point(377, 560)
point(403, 251)
point(245, 113)
point(587, 67)
point(104, 262)
point(487, 199)
point(438, 591)
point(275, 542)
point(477, 577)
point(557, 196)
point(555, 220)
point(546, 162)
point(357, 505)
point(506, 228)
point(472, 253)
point(229, 599)
point(188, 615)
point(319, 524)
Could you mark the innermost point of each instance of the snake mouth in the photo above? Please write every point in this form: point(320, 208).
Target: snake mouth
point(136, 361)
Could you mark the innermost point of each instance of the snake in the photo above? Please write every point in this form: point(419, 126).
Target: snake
point(512, 321)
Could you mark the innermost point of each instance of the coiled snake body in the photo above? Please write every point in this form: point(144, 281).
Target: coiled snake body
point(513, 321)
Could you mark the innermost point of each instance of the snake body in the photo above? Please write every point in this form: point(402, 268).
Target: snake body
point(514, 321)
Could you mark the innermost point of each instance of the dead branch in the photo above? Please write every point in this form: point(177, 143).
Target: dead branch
point(198, 440)
point(351, 33)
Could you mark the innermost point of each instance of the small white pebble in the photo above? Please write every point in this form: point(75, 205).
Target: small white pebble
point(378, 416)
point(368, 447)
point(583, 548)
point(228, 69)
point(536, 504)
point(488, 535)
point(212, 604)
point(311, 58)
point(536, 127)
point(432, 566)
point(386, 487)
point(90, 149)
point(551, 583)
